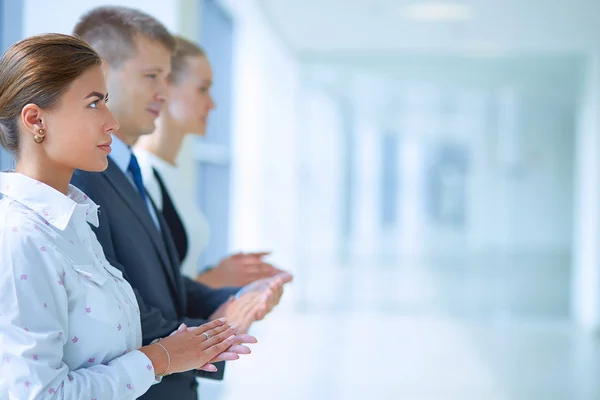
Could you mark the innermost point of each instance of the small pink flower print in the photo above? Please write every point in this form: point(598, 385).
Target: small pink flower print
point(71, 242)
point(26, 329)
point(45, 305)
point(37, 228)
point(24, 277)
point(60, 282)
point(85, 197)
point(116, 280)
point(91, 360)
point(35, 357)
point(15, 229)
point(47, 223)
point(119, 327)
point(7, 360)
point(27, 384)
point(46, 214)
point(105, 363)
point(64, 273)
point(43, 249)
point(129, 386)
point(125, 352)
point(60, 334)
point(149, 367)
point(51, 391)
point(70, 378)
point(75, 339)
point(88, 310)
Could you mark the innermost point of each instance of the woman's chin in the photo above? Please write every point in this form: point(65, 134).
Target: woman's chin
point(97, 166)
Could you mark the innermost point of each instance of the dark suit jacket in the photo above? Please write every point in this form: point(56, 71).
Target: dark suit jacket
point(149, 261)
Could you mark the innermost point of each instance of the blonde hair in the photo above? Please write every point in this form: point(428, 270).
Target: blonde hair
point(184, 49)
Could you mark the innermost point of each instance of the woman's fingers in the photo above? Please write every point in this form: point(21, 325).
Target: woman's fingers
point(198, 330)
point(219, 337)
point(238, 349)
point(226, 356)
point(208, 368)
point(220, 345)
point(245, 339)
point(216, 332)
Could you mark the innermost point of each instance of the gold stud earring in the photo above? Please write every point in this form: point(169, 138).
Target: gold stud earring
point(39, 137)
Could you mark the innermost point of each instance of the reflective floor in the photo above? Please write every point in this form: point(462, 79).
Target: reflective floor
point(471, 328)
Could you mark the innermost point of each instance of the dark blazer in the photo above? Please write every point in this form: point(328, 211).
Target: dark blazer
point(149, 261)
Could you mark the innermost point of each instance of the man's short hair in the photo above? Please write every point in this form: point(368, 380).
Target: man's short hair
point(111, 31)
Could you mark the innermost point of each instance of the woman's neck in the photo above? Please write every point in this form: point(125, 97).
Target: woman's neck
point(165, 142)
point(56, 178)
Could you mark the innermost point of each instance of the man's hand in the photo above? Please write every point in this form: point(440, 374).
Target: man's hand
point(254, 301)
point(271, 288)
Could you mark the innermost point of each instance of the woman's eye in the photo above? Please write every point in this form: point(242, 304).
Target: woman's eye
point(94, 104)
point(151, 76)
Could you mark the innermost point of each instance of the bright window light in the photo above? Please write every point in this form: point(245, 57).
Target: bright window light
point(438, 11)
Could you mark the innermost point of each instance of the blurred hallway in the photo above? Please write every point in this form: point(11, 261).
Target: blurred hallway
point(436, 330)
point(429, 171)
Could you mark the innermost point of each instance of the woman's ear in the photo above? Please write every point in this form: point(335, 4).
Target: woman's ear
point(33, 118)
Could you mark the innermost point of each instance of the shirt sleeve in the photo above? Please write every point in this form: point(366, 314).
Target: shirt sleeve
point(34, 315)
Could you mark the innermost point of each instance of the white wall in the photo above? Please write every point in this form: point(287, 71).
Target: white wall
point(321, 178)
point(521, 196)
point(586, 238)
point(265, 135)
point(60, 16)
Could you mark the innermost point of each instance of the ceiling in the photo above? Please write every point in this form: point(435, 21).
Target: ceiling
point(370, 53)
point(340, 27)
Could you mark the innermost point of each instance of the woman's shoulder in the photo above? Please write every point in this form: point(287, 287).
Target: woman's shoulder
point(25, 237)
point(20, 225)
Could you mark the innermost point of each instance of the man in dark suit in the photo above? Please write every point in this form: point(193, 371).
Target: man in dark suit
point(136, 50)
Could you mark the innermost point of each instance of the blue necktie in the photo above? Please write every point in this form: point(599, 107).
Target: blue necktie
point(135, 170)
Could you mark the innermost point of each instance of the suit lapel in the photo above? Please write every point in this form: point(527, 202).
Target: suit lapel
point(131, 197)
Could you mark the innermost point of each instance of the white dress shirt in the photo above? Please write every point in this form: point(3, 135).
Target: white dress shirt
point(69, 323)
point(121, 155)
point(181, 191)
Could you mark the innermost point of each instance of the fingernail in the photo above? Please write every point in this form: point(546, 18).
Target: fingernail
point(233, 326)
point(222, 319)
point(231, 337)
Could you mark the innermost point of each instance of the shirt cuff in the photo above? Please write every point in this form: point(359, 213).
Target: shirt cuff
point(139, 370)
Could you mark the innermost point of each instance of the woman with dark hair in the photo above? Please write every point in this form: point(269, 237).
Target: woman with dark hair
point(69, 321)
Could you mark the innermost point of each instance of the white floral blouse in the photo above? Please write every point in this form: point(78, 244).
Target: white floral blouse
point(69, 322)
